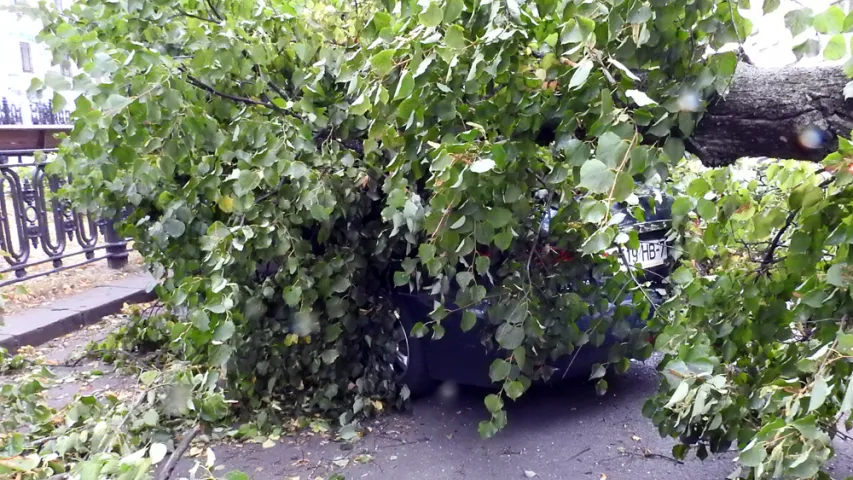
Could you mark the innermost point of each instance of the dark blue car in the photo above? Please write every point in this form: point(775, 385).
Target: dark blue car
point(463, 358)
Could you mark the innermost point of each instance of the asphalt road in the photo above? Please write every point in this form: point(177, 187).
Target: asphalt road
point(564, 432)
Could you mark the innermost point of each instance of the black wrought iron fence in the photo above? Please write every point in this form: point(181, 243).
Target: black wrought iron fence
point(41, 233)
point(43, 114)
point(10, 114)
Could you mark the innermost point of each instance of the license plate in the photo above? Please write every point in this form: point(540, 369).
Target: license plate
point(650, 254)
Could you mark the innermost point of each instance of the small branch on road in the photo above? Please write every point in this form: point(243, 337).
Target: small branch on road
point(182, 447)
point(658, 455)
point(579, 453)
point(413, 442)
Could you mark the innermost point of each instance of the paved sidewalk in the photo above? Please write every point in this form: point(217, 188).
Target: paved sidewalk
point(38, 325)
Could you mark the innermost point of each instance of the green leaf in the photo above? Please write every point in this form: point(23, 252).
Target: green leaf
point(558, 175)
point(426, 252)
point(499, 370)
point(453, 9)
point(797, 21)
point(157, 452)
point(611, 149)
point(640, 98)
point(830, 21)
point(639, 14)
point(680, 450)
point(295, 170)
point(682, 276)
point(581, 74)
point(60, 83)
point(493, 403)
point(598, 241)
point(151, 417)
point(807, 427)
point(601, 387)
point(292, 295)
point(593, 211)
point(598, 371)
point(706, 209)
point(454, 38)
point(482, 263)
point(469, 320)
point(498, 217)
point(236, 475)
point(115, 102)
point(220, 355)
point(596, 177)
point(847, 402)
point(680, 394)
point(401, 278)
point(698, 188)
point(419, 330)
point(58, 102)
point(199, 319)
point(432, 16)
point(674, 149)
point(514, 389)
point(839, 275)
point(224, 331)
point(148, 378)
point(753, 454)
point(503, 240)
point(405, 87)
point(329, 356)
point(383, 62)
point(770, 6)
point(836, 49)
point(820, 390)
point(464, 279)
point(520, 356)
point(174, 227)
point(509, 336)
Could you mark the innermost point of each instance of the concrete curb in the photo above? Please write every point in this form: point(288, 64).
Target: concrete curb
point(41, 324)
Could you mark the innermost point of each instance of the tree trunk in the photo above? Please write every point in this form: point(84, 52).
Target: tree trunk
point(792, 113)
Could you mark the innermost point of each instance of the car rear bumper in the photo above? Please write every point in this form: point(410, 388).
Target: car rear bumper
point(461, 356)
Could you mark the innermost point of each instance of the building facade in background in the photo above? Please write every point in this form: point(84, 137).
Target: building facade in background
point(22, 58)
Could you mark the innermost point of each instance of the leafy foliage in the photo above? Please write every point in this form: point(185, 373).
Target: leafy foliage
point(292, 167)
point(99, 434)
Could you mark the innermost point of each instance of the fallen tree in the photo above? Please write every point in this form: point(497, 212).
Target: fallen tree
point(790, 113)
point(291, 167)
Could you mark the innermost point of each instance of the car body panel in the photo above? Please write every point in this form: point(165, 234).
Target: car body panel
point(462, 357)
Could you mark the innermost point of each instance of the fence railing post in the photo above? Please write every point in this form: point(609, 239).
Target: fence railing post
point(117, 252)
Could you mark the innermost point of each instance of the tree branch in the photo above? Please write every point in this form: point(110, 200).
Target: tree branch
point(187, 14)
point(790, 113)
point(182, 447)
point(768, 260)
point(198, 83)
point(214, 10)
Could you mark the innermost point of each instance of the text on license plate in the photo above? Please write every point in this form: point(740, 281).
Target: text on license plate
point(650, 254)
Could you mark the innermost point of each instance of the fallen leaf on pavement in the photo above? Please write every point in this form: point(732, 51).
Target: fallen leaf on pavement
point(529, 473)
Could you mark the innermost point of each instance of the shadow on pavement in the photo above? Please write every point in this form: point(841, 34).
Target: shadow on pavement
point(558, 432)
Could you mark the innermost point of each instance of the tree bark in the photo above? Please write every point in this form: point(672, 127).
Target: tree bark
point(791, 113)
